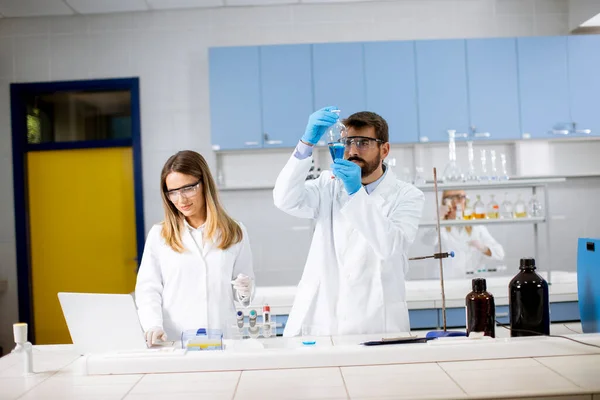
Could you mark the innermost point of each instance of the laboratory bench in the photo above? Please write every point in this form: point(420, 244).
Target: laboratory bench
point(335, 368)
point(424, 300)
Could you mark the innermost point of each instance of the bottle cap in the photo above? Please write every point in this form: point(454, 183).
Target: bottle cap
point(266, 308)
point(527, 263)
point(20, 332)
point(479, 285)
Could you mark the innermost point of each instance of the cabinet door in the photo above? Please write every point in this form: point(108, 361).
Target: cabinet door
point(543, 86)
point(286, 78)
point(493, 88)
point(391, 89)
point(584, 83)
point(339, 77)
point(441, 88)
point(235, 98)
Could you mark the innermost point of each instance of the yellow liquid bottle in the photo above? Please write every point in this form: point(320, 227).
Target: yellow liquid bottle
point(479, 209)
point(493, 209)
point(468, 211)
point(520, 210)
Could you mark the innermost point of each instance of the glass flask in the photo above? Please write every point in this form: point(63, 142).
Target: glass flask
point(494, 170)
point(506, 210)
point(484, 174)
point(493, 209)
point(535, 207)
point(419, 178)
point(452, 172)
point(520, 211)
point(479, 209)
point(468, 211)
point(471, 174)
point(504, 173)
point(333, 134)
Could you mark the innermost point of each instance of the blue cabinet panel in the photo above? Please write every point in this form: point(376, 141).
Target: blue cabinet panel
point(339, 78)
point(441, 88)
point(423, 319)
point(584, 82)
point(286, 77)
point(391, 89)
point(235, 98)
point(543, 86)
point(493, 88)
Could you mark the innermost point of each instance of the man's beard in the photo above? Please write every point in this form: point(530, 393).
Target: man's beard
point(367, 168)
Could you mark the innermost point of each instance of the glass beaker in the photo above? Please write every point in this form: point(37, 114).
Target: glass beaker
point(506, 210)
point(493, 209)
point(452, 172)
point(333, 134)
point(494, 171)
point(419, 178)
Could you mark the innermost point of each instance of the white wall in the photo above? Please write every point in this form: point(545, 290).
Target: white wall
point(168, 51)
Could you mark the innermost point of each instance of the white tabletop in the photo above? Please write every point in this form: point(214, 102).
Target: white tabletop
point(61, 375)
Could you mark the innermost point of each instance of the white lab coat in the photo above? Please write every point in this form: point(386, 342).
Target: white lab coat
point(353, 280)
point(466, 257)
point(189, 290)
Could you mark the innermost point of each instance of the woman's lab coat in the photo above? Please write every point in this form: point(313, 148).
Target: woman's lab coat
point(466, 257)
point(353, 280)
point(189, 290)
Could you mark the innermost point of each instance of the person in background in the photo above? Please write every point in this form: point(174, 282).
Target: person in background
point(472, 245)
point(365, 221)
point(192, 259)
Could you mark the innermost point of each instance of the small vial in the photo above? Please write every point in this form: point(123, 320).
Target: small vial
point(253, 330)
point(266, 328)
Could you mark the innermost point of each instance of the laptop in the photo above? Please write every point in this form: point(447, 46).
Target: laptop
point(102, 323)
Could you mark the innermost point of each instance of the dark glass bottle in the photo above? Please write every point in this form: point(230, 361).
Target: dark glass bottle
point(481, 310)
point(528, 302)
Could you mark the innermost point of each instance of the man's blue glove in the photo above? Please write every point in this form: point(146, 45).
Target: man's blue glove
point(349, 173)
point(318, 122)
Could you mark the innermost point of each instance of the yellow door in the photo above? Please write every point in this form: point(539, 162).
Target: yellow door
point(82, 229)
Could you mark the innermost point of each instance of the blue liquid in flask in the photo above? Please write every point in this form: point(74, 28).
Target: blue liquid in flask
point(336, 150)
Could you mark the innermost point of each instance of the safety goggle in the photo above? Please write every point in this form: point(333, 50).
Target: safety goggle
point(184, 192)
point(361, 142)
point(455, 197)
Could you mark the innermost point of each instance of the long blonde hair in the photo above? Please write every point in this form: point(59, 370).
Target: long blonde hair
point(219, 226)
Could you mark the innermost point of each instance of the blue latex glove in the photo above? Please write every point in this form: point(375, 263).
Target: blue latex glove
point(349, 173)
point(318, 122)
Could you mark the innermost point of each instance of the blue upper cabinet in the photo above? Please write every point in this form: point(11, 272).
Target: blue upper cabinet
point(235, 98)
point(442, 89)
point(391, 87)
point(544, 86)
point(339, 78)
point(286, 77)
point(584, 83)
point(493, 88)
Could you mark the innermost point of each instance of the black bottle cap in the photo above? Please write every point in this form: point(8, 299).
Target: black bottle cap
point(479, 285)
point(527, 263)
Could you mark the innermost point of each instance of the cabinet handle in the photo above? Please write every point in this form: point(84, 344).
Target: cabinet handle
point(483, 134)
point(424, 139)
point(502, 315)
point(526, 136)
point(584, 131)
point(559, 132)
point(251, 143)
point(274, 141)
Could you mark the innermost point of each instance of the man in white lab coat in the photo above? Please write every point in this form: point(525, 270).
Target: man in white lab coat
point(472, 245)
point(365, 221)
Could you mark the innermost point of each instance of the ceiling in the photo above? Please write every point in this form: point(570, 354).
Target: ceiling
point(34, 8)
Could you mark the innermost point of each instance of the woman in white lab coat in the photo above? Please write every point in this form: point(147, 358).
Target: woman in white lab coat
point(192, 259)
point(472, 245)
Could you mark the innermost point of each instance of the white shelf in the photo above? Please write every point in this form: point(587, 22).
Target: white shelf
point(500, 221)
point(493, 184)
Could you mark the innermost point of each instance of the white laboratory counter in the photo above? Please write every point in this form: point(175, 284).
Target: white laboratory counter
point(492, 368)
point(426, 294)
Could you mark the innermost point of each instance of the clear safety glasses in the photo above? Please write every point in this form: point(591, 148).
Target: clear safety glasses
point(361, 142)
point(184, 192)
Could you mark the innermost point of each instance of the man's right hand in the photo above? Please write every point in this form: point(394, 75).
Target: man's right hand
point(155, 335)
point(318, 122)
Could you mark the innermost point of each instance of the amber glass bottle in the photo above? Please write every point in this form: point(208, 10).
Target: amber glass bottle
point(528, 302)
point(481, 310)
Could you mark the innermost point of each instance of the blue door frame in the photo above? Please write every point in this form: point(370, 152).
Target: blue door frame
point(20, 147)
